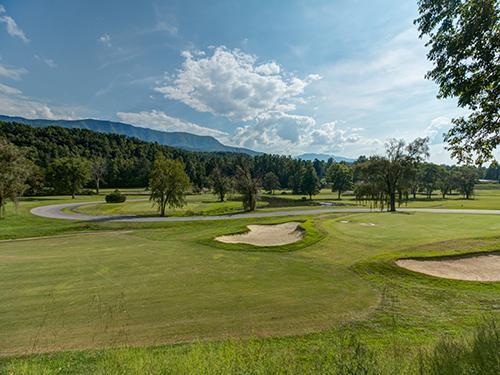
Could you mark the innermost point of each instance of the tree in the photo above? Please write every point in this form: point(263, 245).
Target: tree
point(493, 171)
point(340, 175)
point(221, 184)
point(15, 170)
point(270, 182)
point(429, 174)
point(464, 40)
point(319, 168)
point(382, 175)
point(466, 179)
point(296, 173)
point(98, 170)
point(310, 182)
point(69, 174)
point(247, 186)
point(168, 183)
point(444, 181)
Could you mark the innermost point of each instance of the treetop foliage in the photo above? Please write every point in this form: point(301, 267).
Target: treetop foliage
point(464, 44)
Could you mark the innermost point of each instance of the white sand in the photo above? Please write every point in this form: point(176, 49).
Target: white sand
point(266, 235)
point(484, 267)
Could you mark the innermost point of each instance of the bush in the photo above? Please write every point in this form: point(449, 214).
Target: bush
point(86, 192)
point(115, 197)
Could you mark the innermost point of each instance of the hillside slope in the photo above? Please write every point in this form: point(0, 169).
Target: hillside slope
point(186, 141)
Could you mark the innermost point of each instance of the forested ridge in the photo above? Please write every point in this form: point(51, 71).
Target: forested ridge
point(121, 161)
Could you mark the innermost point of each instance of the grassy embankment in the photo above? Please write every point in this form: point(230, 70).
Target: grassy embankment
point(302, 310)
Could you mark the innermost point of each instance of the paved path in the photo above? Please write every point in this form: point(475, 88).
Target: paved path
point(55, 212)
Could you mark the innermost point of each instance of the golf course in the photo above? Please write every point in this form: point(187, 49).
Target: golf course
point(162, 294)
point(250, 187)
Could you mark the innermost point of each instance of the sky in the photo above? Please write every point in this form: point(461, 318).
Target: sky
point(335, 77)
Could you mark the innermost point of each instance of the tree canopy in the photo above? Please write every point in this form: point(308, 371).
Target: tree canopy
point(168, 183)
point(464, 40)
point(15, 170)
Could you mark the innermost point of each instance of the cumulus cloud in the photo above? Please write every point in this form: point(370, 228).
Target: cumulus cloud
point(105, 39)
point(329, 135)
point(11, 26)
point(233, 84)
point(158, 120)
point(288, 133)
point(437, 127)
point(12, 73)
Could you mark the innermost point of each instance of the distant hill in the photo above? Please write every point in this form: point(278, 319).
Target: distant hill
point(186, 141)
point(325, 157)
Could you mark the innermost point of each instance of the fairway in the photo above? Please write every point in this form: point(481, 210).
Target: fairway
point(168, 283)
point(158, 286)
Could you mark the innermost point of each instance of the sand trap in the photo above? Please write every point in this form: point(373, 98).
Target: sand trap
point(267, 235)
point(367, 224)
point(484, 267)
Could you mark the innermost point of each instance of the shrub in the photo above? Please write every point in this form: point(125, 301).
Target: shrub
point(115, 197)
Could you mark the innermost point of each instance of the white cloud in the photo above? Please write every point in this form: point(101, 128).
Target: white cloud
point(49, 62)
point(292, 134)
point(437, 127)
point(8, 90)
point(105, 39)
point(231, 83)
point(158, 120)
point(394, 69)
point(12, 28)
point(14, 103)
point(12, 73)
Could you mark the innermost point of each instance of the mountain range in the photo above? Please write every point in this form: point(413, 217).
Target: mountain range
point(186, 141)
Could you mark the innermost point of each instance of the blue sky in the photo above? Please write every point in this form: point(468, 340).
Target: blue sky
point(276, 76)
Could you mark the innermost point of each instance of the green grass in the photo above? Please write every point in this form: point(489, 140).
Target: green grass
point(147, 286)
point(200, 204)
point(486, 197)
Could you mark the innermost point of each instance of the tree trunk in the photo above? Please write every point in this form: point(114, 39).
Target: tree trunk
point(221, 197)
point(392, 201)
point(1, 208)
point(97, 186)
point(163, 203)
point(253, 203)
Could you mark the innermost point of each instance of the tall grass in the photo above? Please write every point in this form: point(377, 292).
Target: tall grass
point(346, 355)
point(479, 355)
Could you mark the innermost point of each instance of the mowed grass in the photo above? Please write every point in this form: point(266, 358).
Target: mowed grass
point(150, 284)
point(206, 204)
point(486, 197)
point(198, 204)
point(161, 285)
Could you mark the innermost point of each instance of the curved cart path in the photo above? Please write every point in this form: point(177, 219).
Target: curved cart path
point(55, 212)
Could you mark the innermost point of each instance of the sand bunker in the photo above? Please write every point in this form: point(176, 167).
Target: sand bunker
point(481, 267)
point(267, 235)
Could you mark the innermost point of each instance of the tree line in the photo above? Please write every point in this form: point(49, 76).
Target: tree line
point(57, 160)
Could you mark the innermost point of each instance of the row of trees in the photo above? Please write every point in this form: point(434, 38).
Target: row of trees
point(384, 180)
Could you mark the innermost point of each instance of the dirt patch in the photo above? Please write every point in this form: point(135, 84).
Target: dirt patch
point(480, 267)
point(267, 235)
